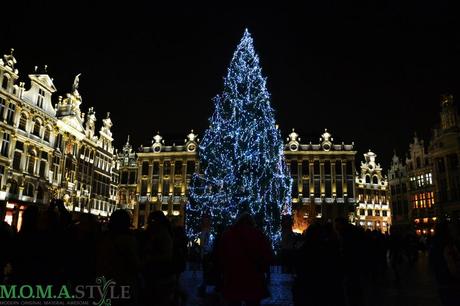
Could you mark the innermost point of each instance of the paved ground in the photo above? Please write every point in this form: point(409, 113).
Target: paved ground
point(415, 288)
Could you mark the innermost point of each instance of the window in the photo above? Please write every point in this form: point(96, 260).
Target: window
point(339, 189)
point(295, 189)
point(40, 97)
point(156, 168)
point(316, 167)
point(369, 212)
point(132, 177)
point(58, 142)
point(384, 213)
point(350, 185)
point(31, 165)
point(338, 167)
point(124, 177)
point(317, 188)
point(17, 160)
point(327, 167)
point(5, 82)
point(155, 187)
point(2, 108)
point(47, 134)
point(293, 167)
point(23, 122)
point(368, 179)
point(167, 167)
point(349, 169)
point(305, 167)
point(145, 168)
point(375, 180)
point(328, 189)
point(418, 162)
point(306, 189)
point(14, 188)
point(5, 144)
point(29, 190)
point(178, 168)
point(10, 114)
point(42, 168)
point(361, 212)
point(166, 187)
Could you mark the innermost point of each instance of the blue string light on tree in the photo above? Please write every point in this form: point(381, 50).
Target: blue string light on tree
point(241, 153)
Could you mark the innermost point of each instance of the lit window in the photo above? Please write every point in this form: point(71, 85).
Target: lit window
point(40, 97)
point(5, 144)
point(10, 113)
point(37, 127)
point(47, 134)
point(5, 82)
point(22, 122)
point(2, 107)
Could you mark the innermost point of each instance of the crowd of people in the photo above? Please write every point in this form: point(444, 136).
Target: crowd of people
point(332, 264)
point(52, 249)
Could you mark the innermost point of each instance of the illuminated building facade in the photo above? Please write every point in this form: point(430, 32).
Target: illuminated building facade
point(323, 180)
point(45, 152)
point(445, 153)
point(164, 173)
point(430, 177)
point(373, 209)
point(420, 188)
point(412, 191)
point(127, 187)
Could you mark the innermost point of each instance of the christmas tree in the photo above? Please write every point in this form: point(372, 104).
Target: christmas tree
point(241, 153)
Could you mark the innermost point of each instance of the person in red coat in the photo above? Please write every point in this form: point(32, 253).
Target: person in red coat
point(245, 256)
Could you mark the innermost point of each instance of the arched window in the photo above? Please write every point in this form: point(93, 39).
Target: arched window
point(29, 190)
point(37, 127)
point(47, 134)
point(5, 82)
point(375, 180)
point(23, 122)
point(368, 179)
point(418, 162)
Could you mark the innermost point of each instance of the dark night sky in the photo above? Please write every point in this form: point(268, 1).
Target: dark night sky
point(370, 73)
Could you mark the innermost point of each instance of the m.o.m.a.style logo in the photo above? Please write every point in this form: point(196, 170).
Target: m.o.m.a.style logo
point(100, 294)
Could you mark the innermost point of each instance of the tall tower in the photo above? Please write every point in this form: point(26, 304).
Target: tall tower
point(449, 118)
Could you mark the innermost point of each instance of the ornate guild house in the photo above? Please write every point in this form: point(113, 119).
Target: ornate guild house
point(51, 151)
point(164, 175)
point(323, 179)
point(373, 209)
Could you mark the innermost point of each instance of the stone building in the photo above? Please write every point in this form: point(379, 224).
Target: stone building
point(412, 191)
point(373, 210)
point(429, 179)
point(420, 188)
point(127, 187)
point(164, 173)
point(445, 152)
point(323, 179)
point(45, 150)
